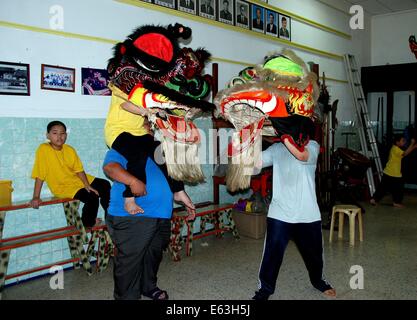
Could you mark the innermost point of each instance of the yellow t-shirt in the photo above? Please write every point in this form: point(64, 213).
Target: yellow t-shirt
point(58, 168)
point(393, 167)
point(119, 120)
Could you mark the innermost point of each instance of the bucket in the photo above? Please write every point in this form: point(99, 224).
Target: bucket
point(5, 193)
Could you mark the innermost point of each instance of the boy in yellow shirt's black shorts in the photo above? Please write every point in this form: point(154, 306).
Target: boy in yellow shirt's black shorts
point(59, 165)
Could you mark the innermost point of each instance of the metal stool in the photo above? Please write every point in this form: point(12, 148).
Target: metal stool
point(352, 212)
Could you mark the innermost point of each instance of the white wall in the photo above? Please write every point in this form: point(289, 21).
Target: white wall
point(390, 34)
point(361, 43)
point(112, 20)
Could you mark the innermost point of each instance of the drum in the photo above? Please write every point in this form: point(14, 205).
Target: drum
point(352, 164)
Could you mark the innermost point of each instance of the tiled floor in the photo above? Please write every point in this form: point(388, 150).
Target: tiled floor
point(227, 268)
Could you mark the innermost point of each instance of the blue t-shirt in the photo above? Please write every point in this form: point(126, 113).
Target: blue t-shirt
point(157, 203)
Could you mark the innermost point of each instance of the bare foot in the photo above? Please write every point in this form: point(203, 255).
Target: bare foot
point(330, 293)
point(98, 222)
point(373, 202)
point(398, 205)
point(131, 207)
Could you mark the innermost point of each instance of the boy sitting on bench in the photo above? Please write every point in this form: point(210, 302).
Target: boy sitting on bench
point(59, 165)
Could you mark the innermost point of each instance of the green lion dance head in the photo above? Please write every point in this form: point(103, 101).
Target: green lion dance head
point(281, 91)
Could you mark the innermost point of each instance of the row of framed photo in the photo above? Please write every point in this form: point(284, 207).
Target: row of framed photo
point(234, 12)
point(15, 79)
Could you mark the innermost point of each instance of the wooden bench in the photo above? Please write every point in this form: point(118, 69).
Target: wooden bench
point(74, 232)
point(217, 214)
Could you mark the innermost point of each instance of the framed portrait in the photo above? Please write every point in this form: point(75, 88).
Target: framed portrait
point(14, 78)
point(207, 9)
point(271, 25)
point(188, 6)
point(94, 82)
point(284, 31)
point(258, 18)
point(225, 11)
point(242, 14)
point(57, 78)
point(166, 3)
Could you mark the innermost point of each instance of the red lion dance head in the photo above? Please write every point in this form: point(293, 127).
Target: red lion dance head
point(150, 70)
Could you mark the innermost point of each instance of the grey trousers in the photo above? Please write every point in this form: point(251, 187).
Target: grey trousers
point(140, 243)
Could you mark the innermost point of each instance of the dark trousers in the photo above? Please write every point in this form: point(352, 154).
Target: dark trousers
point(136, 150)
point(140, 243)
point(91, 201)
point(309, 241)
point(393, 185)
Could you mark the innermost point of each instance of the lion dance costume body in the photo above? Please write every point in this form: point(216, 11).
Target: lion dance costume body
point(280, 90)
point(165, 83)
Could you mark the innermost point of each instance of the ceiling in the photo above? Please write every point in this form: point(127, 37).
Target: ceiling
point(375, 7)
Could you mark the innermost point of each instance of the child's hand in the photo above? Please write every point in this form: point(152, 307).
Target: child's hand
point(91, 189)
point(138, 188)
point(35, 202)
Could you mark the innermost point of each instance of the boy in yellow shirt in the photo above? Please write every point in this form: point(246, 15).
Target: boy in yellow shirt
point(59, 165)
point(392, 179)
